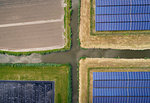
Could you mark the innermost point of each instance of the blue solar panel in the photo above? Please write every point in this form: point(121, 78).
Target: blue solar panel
point(120, 75)
point(122, 15)
point(121, 2)
point(112, 84)
point(139, 75)
point(121, 87)
point(120, 18)
point(121, 100)
point(122, 10)
point(121, 92)
point(109, 75)
point(123, 26)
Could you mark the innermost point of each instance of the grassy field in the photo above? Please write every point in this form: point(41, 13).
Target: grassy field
point(139, 40)
point(67, 34)
point(61, 74)
point(89, 65)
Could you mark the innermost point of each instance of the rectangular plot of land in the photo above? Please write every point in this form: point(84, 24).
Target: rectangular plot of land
point(26, 92)
point(31, 25)
point(124, 15)
point(14, 11)
point(128, 87)
point(32, 36)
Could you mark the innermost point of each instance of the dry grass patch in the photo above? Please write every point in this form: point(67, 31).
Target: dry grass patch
point(123, 40)
point(90, 65)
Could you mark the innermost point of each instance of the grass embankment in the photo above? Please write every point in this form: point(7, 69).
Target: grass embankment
point(89, 65)
point(67, 34)
point(89, 38)
point(60, 73)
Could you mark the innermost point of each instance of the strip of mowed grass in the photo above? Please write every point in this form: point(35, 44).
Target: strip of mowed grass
point(60, 73)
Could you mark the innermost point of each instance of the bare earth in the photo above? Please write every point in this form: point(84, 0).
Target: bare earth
point(87, 63)
point(133, 42)
point(21, 28)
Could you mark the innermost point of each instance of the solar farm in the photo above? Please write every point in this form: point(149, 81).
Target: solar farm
point(114, 80)
point(118, 24)
point(121, 87)
point(120, 15)
point(26, 92)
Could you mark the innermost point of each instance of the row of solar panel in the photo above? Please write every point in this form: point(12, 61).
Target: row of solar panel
point(121, 2)
point(122, 9)
point(122, 26)
point(121, 92)
point(118, 18)
point(121, 75)
point(121, 100)
point(120, 84)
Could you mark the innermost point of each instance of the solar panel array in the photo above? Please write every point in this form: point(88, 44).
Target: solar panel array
point(121, 87)
point(26, 92)
point(120, 15)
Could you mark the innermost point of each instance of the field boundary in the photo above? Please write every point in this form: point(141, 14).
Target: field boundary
point(101, 64)
point(68, 71)
point(67, 34)
point(139, 41)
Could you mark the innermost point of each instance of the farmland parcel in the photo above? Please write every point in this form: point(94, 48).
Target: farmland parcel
point(89, 38)
point(34, 25)
point(60, 74)
point(89, 65)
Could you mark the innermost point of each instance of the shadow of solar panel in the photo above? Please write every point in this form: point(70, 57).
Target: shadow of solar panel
point(122, 15)
point(26, 92)
point(121, 87)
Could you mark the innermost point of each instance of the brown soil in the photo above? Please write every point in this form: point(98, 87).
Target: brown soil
point(134, 42)
point(44, 36)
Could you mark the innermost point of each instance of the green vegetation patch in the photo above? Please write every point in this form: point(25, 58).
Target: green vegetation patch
point(60, 73)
